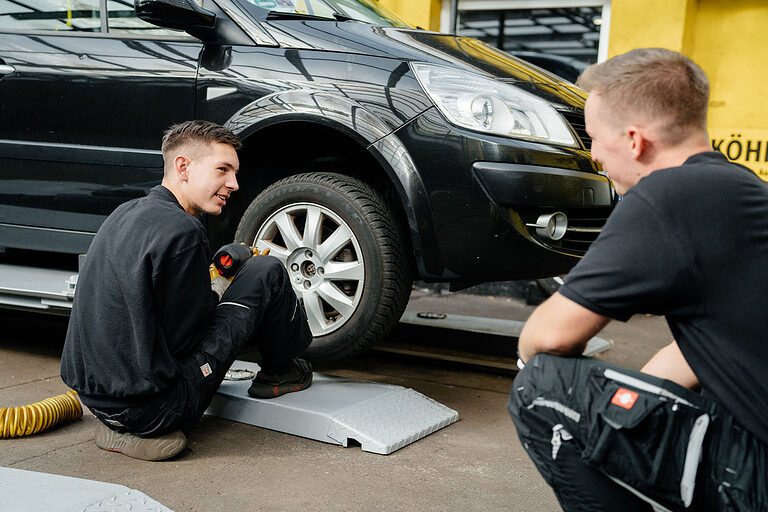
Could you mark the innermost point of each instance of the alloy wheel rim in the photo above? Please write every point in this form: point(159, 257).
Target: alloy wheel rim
point(323, 258)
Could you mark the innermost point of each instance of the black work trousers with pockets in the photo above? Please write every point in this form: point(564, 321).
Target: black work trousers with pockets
point(259, 307)
point(607, 438)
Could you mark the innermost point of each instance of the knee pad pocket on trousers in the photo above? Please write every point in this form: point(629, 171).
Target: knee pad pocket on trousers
point(640, 437)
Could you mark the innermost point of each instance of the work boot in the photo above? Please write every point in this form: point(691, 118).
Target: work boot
point(270, 386)
point(144, 448)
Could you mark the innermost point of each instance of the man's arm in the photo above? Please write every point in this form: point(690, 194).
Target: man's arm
point(559, 326)
point(669, 363)
point(563, 327)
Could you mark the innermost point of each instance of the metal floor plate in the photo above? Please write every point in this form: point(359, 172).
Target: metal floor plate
point(23, 491)
point(483, 325)
point(382, 418)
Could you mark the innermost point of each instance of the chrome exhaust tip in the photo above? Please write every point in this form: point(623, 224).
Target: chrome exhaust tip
point(551, 225)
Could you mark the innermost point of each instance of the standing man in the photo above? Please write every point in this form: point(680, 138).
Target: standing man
point(149, 341)
point(689, 240)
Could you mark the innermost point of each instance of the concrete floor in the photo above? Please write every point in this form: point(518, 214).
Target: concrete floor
point(475, 464)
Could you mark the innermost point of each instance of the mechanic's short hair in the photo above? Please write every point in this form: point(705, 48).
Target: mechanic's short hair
point(193, 133)
point(653, 83)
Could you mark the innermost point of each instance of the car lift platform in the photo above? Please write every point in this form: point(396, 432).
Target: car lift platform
point(382, 418)
point(483, 325)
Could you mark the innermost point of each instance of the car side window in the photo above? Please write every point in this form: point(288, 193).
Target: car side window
point(122, 19)
point(77, 16)
point(54, 15)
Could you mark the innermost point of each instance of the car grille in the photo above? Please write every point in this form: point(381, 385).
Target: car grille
point(584, 225)
point(576, 120)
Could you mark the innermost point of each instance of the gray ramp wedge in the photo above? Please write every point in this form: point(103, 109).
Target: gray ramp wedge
point(25, 491)
point(382, 418)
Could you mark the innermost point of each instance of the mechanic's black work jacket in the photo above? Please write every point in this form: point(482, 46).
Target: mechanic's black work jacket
point(142, 297)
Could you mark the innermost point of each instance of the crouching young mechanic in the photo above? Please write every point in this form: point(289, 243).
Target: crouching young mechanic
point(149, 341)
point(689, 240)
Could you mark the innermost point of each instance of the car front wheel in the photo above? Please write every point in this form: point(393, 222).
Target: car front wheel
point(344, 252)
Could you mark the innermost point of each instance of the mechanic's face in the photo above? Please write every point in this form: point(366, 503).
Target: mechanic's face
point(611, 146)
point(210, 178)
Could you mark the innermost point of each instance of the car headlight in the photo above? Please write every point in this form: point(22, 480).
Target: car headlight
point(480, 103)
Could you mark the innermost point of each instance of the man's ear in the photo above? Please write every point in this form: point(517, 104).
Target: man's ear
point(638, 143)
point(180, 165)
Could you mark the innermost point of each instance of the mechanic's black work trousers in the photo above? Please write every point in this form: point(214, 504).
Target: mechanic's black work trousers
point(607, 438)
point(259, 307)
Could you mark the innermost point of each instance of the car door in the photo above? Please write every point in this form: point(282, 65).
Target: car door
point(86, 92)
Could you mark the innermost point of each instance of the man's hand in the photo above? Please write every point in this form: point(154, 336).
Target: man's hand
point(669, 363)
point(559, 326)
point(256, 252)
point(229, 258)
point(226, 261)
point(219, 283)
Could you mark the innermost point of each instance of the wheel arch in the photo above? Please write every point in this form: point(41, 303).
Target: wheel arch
point(287, 144)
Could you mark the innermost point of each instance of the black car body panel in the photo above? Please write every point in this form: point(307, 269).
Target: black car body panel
point(82, 130)
point(69, 153)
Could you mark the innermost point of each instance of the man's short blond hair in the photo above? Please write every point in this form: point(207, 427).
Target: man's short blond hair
point(651, 84)
point(193, 135)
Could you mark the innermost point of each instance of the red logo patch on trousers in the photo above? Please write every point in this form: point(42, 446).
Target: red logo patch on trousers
point(624, 398)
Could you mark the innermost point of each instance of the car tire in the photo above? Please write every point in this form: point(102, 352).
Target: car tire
point(346, 255)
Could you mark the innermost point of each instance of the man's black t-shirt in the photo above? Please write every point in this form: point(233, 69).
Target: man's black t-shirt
point(691, 243)
point(142, 296)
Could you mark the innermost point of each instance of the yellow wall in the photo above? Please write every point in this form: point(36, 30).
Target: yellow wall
point(727, 39)
point(422, 13)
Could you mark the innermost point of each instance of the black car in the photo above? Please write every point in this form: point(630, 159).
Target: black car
point(374, 153)
point(568, 68)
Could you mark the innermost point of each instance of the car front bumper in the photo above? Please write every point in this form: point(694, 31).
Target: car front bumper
point(484, 194)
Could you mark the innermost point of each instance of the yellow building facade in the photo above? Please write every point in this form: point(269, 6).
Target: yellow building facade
point(725, 37)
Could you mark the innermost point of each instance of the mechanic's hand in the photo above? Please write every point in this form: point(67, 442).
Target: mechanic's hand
point(256, 252)
point(229, 258)
point(219, 283)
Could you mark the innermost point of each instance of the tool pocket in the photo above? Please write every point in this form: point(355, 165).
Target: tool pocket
point(644, 439)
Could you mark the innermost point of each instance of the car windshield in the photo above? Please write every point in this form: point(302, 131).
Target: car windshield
point(359, 10)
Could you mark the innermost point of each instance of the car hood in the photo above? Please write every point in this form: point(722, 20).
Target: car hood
point(475, 55)
point(415, 45)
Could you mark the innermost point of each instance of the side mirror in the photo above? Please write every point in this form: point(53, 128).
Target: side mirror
point(177, 14)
